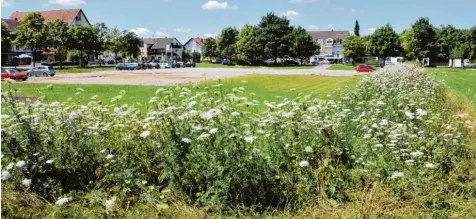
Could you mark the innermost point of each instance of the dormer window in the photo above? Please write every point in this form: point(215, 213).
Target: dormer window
point(329, 41)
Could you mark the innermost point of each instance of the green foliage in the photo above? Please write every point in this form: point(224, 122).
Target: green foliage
point(131, 44)
point(115, 43)
point(82, 40)
point(472, 33)
point(226, 42)
point(357, 28)
point(6, 39)
point(196, 56)
point(355, 47)
point(210, 48)
point(31, 33)
point(275, 36)
point(447, 40)
point(384, 43)
point(101, 38)
point(422, 40)
point(304, 46)
point(59, 38)
point(247, 43)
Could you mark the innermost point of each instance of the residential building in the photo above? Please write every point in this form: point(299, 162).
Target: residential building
point(156, 49)
point(74, 17)
point(195, 45)
point(331, 45)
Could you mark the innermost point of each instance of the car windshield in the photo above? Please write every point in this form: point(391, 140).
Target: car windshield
point(12, 71)
point(50, 67)
point(4, 71)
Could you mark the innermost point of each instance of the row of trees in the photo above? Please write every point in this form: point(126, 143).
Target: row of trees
point(272, 38)
point(34, 34)
point(422, 40)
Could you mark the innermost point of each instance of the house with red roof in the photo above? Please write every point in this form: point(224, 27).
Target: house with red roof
point(194, 44)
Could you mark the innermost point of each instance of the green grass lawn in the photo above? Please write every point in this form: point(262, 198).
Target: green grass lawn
point(84, 69)
point(461, 81)
point(342, 67)
point(265, 87)
point(291, 67)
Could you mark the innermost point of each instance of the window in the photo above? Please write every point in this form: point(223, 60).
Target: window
point(329, 41)
point(78, 18)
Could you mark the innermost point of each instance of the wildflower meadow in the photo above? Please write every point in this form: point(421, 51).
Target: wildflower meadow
point(398, 129)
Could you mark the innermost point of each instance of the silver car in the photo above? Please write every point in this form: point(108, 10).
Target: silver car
point(41, 71)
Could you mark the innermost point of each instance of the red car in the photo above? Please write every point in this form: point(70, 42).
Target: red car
point(365, 68)
point(13, 74)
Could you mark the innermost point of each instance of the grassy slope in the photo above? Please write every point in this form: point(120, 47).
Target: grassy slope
point(341, 67)
point(461, 81)
point(267, 87)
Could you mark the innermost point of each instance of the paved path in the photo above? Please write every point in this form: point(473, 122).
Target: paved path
point(176, 76)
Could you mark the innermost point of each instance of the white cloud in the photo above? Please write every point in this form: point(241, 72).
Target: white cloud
point(67, 2)
point(291, 15)
point(372, 30)
point(216, 5)
point(144, 32)
point(213, 35)
point(7, 3)
point(330, 26)
point(313, 27)
point(182, 30)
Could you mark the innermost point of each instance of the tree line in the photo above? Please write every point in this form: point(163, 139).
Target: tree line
point(421, 40)
point(35, 34)
point(272, 38)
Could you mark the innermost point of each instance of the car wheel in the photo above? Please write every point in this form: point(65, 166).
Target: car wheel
point(45, 74)
point(23, 79)
point(29, 74)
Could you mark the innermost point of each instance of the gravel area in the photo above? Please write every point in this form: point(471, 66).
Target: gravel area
point(175, 76)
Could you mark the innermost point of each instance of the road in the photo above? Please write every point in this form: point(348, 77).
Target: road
point(165, 77)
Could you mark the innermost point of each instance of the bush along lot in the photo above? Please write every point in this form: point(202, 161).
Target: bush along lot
point(397, 129)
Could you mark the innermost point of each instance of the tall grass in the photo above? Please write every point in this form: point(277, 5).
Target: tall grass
point(395, 130)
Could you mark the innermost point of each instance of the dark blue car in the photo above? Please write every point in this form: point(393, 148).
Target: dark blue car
point(226, 62)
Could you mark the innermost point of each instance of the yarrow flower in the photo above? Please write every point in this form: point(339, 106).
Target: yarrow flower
point(109, 204)
point(416, 154)
point(10, 166)
point(430, 165)
point(308, 149)
point(20, 163)
point(145, 134)
point(49, 161)
point(397, 174)
point(235, 113)
point(109, 156)
point(61, 201)
point(187, 140)
point(26, 182)
point(250, 139)
point(213, 130)
point(303, 163)
point(6, 175)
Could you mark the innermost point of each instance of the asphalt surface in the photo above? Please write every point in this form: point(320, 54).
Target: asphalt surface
point(175, 76)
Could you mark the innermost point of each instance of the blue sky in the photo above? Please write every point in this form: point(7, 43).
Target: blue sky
point(190, 18)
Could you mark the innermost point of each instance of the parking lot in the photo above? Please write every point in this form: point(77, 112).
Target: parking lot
point(175, 76)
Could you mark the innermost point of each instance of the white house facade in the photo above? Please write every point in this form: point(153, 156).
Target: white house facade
point(157, 49)
point(331, 45)
point(194, 45)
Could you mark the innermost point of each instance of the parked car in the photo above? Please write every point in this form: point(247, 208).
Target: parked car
point(135, 66)
point(154, 65)
point(41, 71)
point(226, 62)
point(180, 65)
point(314, 62)
point(164, 65)
point(13, 74)
point(290, 62)
point(466, 63)
point(324, 62)
point(365, 68)
point(216, 61)
point(124, 66)
point(110, 62)
point(190, 63)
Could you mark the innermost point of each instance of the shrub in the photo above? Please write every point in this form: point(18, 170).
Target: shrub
point(218, 149)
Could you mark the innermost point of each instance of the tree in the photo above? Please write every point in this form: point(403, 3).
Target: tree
point(304, 47)
point(31, 33)
point(131, 44)
point(247, 44)
point(406, 37)
point(226, 42)
point(384, 43)
point(115, 43)
point(101, 39)
point(209, 48)
point(196, 56)
point(447, 41)
point(357, 28)
point(423, 39)
point(59, 38)
point(354, 47)
point(472, 33)
point(275, 36)
point(83, 40)
point(6, 39)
